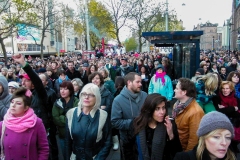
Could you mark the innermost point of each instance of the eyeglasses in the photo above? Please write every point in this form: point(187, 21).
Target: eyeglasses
point(88, 95)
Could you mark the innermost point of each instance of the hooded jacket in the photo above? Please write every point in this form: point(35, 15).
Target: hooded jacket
point(126, 106)
point(5, 97)
point(157, 87)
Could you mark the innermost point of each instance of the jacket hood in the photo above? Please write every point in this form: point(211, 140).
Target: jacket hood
point(4, 83)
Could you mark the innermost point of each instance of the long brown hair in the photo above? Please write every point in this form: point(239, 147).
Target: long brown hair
point(147, 111)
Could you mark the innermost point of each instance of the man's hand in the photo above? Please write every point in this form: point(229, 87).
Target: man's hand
point(19, 58)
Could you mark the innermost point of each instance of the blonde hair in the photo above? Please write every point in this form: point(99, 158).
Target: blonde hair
point(94, 89)
point(229, 83)
point(105, 70)
point(210, 83)
point(201, 146)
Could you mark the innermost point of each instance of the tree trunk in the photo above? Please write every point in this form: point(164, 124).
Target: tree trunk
point(4, 50)
point(118, 39)
point(42, 47)
point(43, 32)
point(139, 44)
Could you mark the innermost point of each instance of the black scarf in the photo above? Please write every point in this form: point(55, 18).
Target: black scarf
point(158, 143)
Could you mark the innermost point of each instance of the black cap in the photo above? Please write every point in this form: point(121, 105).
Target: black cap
point(42, 70)
point(125, 59)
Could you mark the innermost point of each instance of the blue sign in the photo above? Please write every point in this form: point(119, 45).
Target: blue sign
point(26, 32)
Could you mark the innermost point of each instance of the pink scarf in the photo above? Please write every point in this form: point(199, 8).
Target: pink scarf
point(161, 76)
point(20, 124)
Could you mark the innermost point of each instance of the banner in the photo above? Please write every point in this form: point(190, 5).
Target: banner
point(26, 32)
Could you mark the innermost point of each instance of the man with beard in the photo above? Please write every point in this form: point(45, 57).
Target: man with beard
point(126, 106)
point(124, 68)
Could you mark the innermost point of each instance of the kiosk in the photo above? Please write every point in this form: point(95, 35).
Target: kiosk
point(186, 49)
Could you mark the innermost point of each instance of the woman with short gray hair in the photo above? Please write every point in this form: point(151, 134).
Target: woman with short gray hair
point(77, 85)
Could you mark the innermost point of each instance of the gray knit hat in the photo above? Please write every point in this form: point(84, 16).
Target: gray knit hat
point(212, 121)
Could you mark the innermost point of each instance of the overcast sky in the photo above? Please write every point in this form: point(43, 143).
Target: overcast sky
point(194, 12)
point(215, 11)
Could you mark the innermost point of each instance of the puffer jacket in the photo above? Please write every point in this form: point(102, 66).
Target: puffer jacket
point(201, 95)
point(5, 97)
point(157, 87)
point(187, 123)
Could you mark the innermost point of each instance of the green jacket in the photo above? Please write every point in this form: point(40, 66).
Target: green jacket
point(113, 72)
point(59, 111)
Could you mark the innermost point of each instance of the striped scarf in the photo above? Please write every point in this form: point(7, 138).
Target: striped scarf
point(180, 106)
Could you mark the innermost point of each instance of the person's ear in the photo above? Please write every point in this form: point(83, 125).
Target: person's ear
point(184, 92)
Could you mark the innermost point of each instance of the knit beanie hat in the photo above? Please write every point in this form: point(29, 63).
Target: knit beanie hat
point(212, 121)
point(200, 70)
point(160, 66)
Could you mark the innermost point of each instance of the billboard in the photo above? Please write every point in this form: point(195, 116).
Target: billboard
point(27, 32)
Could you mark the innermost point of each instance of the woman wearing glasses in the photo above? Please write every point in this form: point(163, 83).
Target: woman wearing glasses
point(88, 128)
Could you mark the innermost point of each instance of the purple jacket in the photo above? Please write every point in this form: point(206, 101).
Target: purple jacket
point(30, 144)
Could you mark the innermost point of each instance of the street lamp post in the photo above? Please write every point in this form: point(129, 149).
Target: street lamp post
point(48, 49)
point(229, 36)
point(213, 43)
point(87, 25)
point(166, 16)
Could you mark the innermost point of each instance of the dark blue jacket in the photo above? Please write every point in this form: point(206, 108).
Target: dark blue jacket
point(98, 141)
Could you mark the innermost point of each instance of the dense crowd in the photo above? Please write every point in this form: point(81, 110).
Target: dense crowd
point(90, 104)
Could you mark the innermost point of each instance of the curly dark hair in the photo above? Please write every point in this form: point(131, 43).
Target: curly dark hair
point(91, 76)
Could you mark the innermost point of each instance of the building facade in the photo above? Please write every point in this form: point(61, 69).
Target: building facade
point(235, 25)
point(211, 38)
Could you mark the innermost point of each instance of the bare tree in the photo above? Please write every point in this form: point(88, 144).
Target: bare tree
point(145, 15)
point(120, 11)
point(12, 13)
point(50, 15)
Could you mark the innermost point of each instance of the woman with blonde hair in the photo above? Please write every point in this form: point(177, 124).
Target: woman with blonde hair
point(206, 87)
point(108, 83)
point(11, 76)
point(215, 134)
point(94, 142)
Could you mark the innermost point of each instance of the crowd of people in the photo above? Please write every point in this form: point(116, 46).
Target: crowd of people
point(88, 105)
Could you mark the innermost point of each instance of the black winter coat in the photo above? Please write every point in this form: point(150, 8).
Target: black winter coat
point(75, 74)
point(106, 99)
point(39, 103)
point(124, 71)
